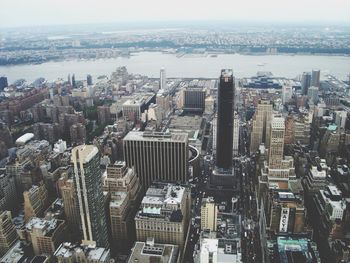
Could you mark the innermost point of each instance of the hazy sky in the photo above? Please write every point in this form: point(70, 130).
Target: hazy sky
point(49, 12)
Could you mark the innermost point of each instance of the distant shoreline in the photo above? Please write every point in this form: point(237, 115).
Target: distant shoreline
point(211, 54)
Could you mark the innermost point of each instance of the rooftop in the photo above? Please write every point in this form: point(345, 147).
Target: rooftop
point(156, 136)
point(91, 252)
point(46, 226)
point(155, 253)
point(15, 254)
point(84, 152)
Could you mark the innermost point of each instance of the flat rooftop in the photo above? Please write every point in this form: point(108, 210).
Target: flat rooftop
point(47, 227)
point(84, 152)
point(156, 136)
point(155, 253)
point(91, 252)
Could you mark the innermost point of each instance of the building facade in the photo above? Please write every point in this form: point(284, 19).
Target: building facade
point(88, 184)
point(157, 156)
point(164, 214)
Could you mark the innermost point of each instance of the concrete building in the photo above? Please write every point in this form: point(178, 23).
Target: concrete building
point(103, 115)
point(193, 99)
point(287, 93)
point(164, 101)
point(164, 214)
point(261, 126)
point(68, 253)
point(35, 201)
point(77, 133)
point(285, 212)
point(277, 167)
point(133, 107)
point(88, 183)
point(17, 254)
point(8, 233)
point(276, 142)
point(45, 235)
point(157, 156)
point(70, 205)
point(8, 192)
point(149, 251)
point(315, 180)
point(294, 249)
point(330, 203)
point(208, 214)
point(302, 130)
point(46, 131)
point(125, 190)
point(312, 95)
point(222, 245)
point(330, 141)
point(341, 118)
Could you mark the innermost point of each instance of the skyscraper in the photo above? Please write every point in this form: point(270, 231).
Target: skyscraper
point(8, 233)
point(157, 156)
point(88, 183)
point(163, 79)
point(305, 82)
point(70, 205)
point(287, 93)
point(73, 81)
point(3, 83)
point(89, 80)
point(276, 142)
point(261, 126)
point(222, 177)
point(315, 78)
point(224, 138)
point(209, 212)
point(312, 95)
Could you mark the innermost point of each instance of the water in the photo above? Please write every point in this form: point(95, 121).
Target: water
point(149, 63)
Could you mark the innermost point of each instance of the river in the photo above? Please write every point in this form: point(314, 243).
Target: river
point(190, 65)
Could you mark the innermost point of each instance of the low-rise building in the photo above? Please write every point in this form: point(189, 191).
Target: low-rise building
point(8, 234)
point(45, 235)
point(149, 251)
point(164, 214)
point(68, 253)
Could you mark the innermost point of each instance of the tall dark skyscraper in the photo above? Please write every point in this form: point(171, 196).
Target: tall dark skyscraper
point(224, 136)
point(222, 178)
point(305, 82)
point(89, 79)
point(3, 83)
point(73, 81)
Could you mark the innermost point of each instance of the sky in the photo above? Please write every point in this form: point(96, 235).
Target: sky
point(18, 13)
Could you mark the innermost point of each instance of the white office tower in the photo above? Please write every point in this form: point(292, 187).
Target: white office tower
point(235, 134)
point(163, 85)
